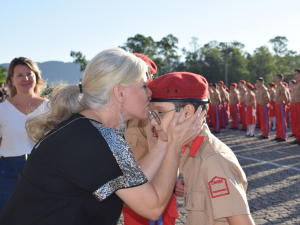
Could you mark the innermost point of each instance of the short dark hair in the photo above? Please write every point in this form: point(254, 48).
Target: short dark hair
point(280, 76)
point(261, 79)
point(293, 81)
point(297, 70)
point(195, 104)
point(214, 85)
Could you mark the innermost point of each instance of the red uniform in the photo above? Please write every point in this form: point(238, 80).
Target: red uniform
point(293, 119)
point(250, 119)
point(242, 110)
point(272, 110)
point(234, 115)
point(280, 110)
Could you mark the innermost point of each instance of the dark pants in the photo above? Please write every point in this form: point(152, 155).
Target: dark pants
point(10, 167)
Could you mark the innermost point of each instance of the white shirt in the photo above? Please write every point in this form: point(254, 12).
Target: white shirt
point(15, 141)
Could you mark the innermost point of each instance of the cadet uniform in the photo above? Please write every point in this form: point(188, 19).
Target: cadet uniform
point(242, 108)
point(263, 99)
point(224, 100)
point(233, 107)
point(141, 136)
point(215, 183)
point(272, 103)
point(257, 110)
point(296, 97)
point(293, 114)
point(250, 102)
point(280, 110)
point(215, 100)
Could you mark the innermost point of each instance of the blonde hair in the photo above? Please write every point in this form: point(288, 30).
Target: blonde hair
point(106, 70)
point(40, 85)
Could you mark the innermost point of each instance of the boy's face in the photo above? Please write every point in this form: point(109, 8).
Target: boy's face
point(161, 107)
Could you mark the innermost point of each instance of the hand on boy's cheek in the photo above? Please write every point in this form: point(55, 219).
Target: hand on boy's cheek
point(181, 118)
point(179, 188)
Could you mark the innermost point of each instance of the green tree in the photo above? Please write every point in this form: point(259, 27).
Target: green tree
point(2, 74)
point(279, 45)
point(141, 44)
point(78, 57)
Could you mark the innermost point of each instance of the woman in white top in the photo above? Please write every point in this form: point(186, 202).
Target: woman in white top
point(24, 83)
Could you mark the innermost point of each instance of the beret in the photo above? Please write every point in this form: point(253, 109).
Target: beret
point(149, 62)
point(233, 84)
point(210, 84)
point(271, 84)
point(250, 86)
point(179, 86)
point(285, 84)
point(243, 82)
point(221, 82)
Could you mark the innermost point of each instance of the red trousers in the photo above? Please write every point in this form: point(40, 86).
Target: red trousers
point(226, 112)
point(281, 128)
point(168, 217)
point(297, 110)
point(272, 111)
point(250, 119)
point(293, 119)
point(257, 117)
point(223, 114)
point(234, 115)
point(210, 122)
point(264, 119)
point(216, 113)
point(243, 115)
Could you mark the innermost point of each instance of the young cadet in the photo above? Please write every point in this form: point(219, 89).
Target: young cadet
point(142, 137)
point(280, 109)
point(242, 108)
point(263, 100)
point(257, 109)
point(215, 183)
point(227, 104)
point(215, 101)
point(224, 101)
point(210, 120)
point(287, 104)
point(271, 90)
point(296, 98)
point(233, 106)
point(250, 102)
point(292, 109)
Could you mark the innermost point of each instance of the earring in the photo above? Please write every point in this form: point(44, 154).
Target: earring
point(121, 128)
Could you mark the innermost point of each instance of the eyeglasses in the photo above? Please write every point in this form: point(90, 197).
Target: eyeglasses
point(155, 116)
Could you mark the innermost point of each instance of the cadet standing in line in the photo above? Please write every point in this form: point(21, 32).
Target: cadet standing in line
point(242, 108)
point(233, 106)
point(250, 102)
point(280, 110)
point(226, 92)
point(142, 137)
point(292, 109)
point(215, 101)
point(215, 183)
point(271, 89)
point(296, 98)
point(224, 100)
point(210, 121)
point(257, 109)
point(263, 100)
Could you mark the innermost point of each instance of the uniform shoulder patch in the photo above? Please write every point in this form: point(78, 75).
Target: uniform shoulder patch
point(218, 187)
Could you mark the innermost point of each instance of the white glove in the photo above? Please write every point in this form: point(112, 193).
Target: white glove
point(253, 112)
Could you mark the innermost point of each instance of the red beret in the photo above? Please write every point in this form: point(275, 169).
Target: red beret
point(243, 82)
point(285, 84)
point(210, 84)
point(250, 86)
point(221, 82)
point(179, 86)
point(271, 84)
point(233, 84)
point(149, 62)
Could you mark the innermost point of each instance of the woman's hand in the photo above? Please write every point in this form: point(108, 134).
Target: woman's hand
point(185, 132)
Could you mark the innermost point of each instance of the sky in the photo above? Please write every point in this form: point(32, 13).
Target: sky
point(44, 30)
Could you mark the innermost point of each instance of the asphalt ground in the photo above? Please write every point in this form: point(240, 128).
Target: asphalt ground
point(273, 174)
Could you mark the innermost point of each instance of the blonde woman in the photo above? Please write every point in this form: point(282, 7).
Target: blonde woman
point(24, 83)
point(82, 170)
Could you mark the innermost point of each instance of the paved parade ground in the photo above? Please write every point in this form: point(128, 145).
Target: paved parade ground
point(273, 173)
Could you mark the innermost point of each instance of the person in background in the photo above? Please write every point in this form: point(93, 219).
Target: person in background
point(227, 92)
point(142, 137)
point(233, 106)
point(2, 92)
point(263, 100)
point(224, 101)
point(292, 109)
point(25, 84)
point(215, 101)
point(250, 102)
point(287, 104)
point(296, 99)
point(256, 90)
point(271, 89)
point(210, 121)
point(281, 99)
point(242, 108)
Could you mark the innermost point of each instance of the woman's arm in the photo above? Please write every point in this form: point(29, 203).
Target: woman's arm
point(240, 219)
point(149, 200)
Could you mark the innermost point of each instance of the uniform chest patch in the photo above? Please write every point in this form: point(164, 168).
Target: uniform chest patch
point(218, 187)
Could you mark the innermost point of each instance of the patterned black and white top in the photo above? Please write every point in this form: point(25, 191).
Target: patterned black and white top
point(72, 175)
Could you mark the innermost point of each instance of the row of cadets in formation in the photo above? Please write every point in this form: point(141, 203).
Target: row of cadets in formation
point(272, 108)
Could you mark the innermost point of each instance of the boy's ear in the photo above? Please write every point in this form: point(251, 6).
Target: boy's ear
point(188, 111)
